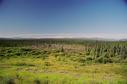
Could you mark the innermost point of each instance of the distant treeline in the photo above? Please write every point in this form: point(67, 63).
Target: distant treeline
point(36, 42)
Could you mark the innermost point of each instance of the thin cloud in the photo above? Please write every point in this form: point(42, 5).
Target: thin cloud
point(72, 35)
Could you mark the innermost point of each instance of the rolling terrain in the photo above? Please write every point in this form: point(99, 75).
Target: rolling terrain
point(63, 61)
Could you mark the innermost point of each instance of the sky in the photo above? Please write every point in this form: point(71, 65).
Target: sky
point(63, 18)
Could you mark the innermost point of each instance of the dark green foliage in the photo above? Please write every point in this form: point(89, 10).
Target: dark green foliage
point(11, 81)
point(37, 81)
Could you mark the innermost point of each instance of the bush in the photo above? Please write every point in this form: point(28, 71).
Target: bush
point(11, 81)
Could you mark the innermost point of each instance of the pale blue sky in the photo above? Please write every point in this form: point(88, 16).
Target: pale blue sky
point(63, 17)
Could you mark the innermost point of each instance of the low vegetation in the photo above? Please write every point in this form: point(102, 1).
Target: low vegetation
point(62, 61)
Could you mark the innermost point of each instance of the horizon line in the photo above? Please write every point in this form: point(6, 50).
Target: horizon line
point(114, 36)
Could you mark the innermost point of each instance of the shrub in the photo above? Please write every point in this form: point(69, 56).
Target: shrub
point(11, 81)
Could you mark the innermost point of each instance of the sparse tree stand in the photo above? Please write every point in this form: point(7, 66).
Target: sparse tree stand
point(50, 58)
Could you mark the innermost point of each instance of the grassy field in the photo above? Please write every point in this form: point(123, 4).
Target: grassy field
point(36, 71)
point(59, 64)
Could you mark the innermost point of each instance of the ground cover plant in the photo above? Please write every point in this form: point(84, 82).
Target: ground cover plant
point(62, 61)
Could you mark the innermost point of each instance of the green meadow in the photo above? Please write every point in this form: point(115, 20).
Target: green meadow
point(63, 61)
